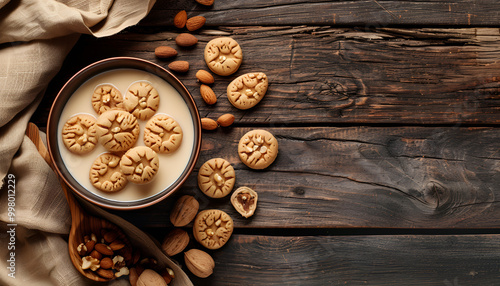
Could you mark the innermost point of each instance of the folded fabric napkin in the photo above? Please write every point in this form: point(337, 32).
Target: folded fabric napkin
point(35, 37)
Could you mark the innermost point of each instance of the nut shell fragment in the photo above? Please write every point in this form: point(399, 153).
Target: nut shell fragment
point(212, 228)
point(244, 200)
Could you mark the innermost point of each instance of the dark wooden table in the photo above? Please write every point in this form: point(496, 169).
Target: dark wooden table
point(387, 114)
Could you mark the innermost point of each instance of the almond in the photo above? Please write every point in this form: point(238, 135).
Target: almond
point(204, 77)
point(90, 245)
point(164, 52)
point(186, 40)
point(225, 120)
point(116, 245)
point(205, 2)
point(133, 276)
point(179, 66)
point(208, 94)
point(103, 249)
point(194, 23)
point(95, 254)
point(175, 242)
point(110, 236)
point(106, 263)
point(208, 124)
point(105, 273)
point(180, 19)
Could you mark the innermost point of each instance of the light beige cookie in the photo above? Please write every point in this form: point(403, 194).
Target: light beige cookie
point(79, 134)
point(247, 90)
point(118, 130)
point(142, 100)
point(223, 56)
point(106, 175)
point(163, 134)
point(140, 164)
point(106, 97)
point(258, 149)
point(216, 178)
point(212, 228)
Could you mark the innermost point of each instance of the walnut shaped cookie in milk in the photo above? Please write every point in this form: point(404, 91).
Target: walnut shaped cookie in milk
point(79, 134)
point(247, 90)
point(258, 149)
point(142, 100)
point(223, 56)
point(117, 130)
point(140, 164)
point(106, 97)
point(106, 175)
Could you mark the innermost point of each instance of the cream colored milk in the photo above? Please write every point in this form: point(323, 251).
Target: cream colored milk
point(171, 103)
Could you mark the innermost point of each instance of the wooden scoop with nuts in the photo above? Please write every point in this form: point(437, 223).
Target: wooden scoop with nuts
point(84, 225)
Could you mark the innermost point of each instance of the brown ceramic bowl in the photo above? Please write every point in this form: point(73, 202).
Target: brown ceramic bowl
point(59, 114)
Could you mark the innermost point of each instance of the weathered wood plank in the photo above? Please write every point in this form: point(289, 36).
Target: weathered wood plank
point(367, 13)
point(357, 260)
point(398, 177)
point(323, 76)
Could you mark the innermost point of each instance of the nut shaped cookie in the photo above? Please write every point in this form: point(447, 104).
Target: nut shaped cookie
point(223, 56)
point(106, 175)
point(216, 178)
point(142, 100)
point(117, 130)
point(258, 149)
point(163, 134)
point(140, 164)
point(212, 228)
point(247, 90)
point(79, 134)
point(106, 97)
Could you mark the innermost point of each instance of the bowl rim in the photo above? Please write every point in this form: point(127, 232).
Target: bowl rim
point(81, 77)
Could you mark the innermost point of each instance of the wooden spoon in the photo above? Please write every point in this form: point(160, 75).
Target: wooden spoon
point(81, 223)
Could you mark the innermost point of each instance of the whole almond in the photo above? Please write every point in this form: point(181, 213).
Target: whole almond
point(103, 249)
point(106, 263)
point(179, 66)
point(110, 236)
point(90, 245)
point(105, 273)
point(186, 40)
point(180, 19)
point(208, 124)
point(204, 77)
point(164, 52)
point(96, 254)
point(208, 94)
point(116, 245)
point(175, 242)
point(133, 276)
point(184, 210)
point(205, 2)
point(225, 120)
point(194, 23)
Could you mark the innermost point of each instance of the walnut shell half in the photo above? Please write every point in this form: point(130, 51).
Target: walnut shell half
point(244, 200)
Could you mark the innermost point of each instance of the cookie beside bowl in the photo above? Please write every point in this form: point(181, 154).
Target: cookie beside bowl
point(123, 73)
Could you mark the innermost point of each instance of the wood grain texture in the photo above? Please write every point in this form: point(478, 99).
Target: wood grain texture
point(447, 260)
point(321, 12)
point(398, 177)
point(320, 75)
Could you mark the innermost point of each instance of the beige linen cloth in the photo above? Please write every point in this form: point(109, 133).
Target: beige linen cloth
point(35, 37)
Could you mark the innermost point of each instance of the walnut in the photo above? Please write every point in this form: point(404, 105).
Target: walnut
point(244, 201)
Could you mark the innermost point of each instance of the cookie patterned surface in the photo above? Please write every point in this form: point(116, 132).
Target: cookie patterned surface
point(106, 97)
point(216, 178)
point(223, 56)
point(247, 90)
point(118, 130)
point(163, 134)
point(212, 228)
point(258, 149)
point(140, 164)
point(106, 175)
point(79, 134)
point(142, 100)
